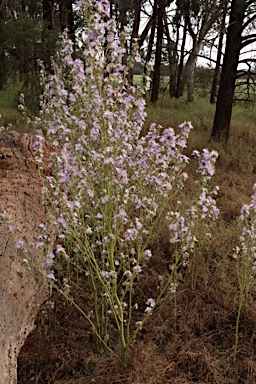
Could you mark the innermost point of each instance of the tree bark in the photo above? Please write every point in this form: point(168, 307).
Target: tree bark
point(67, 17)
point(158, 56)
point(48, 14)
point(3, 68)
point(172, 58)
point(21, 291)
point(151, 39)
point(180, 83)
point(135, 34)
point(190, 72)
point(216, 74)
point(218, 60)
point(223, 113)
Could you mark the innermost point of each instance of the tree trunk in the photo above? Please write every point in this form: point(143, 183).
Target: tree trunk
point(2, 71)
point(67, 17)
point(135, 34)
point(123, 7)
point(158, 56)
point(218, 60)
point(222, 119)
point(151, 39)
point(3, 68)
point(48, 14)
point(21, 291)
point(190, 72)
point(216, 74)
point(180, 83)
point(172, 59)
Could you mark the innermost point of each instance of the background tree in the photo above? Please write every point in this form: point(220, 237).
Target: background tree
point(171, 33)
point(66, 15)
point(180, 84)
point(152, 26)
point(172, 47)
point(219, 55)
point(199, 17)
point(29, 30)
point(48, 14)
point(3, 64)
point(235, 42)
point(160, 4)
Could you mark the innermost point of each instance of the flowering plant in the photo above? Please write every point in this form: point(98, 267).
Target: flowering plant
point(110, 186)
point(245, 254)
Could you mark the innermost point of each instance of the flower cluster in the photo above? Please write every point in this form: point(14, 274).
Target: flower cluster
point(183, 226)
point(150, 305)
point(207, 161)
point(247, 248)
point(245, 255)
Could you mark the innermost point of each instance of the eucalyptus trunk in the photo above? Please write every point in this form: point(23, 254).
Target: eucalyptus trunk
point(158, 56)
point(151, 39)
point(223, 113)
point(180, 78)
point(190, 73)
point(216, 75)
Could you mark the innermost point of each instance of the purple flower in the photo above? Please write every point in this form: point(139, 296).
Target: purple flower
point(150, 304)
point(62, 221)
point(51, 276)
point(137, 269)
point(147, 253)
point(19, 244)
point(127, 274)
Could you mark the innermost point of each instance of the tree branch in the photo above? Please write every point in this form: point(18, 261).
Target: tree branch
point(248, 40)
point(144, 33)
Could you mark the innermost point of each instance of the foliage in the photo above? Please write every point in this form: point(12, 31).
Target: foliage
point(203, 81)
point(24, 43)
point(25, 40)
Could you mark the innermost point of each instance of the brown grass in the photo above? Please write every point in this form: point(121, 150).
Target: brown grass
point(192, 341)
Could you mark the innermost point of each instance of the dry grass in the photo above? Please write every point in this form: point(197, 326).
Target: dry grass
point(192, 341)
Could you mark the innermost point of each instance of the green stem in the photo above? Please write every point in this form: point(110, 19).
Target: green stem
point(240, 304)
point(91, 323)
point(245, 283)
point(95, 299)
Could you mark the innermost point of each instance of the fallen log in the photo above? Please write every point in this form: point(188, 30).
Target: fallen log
point(21, 291)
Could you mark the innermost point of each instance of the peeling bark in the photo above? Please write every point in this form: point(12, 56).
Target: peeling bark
point(21, 291)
